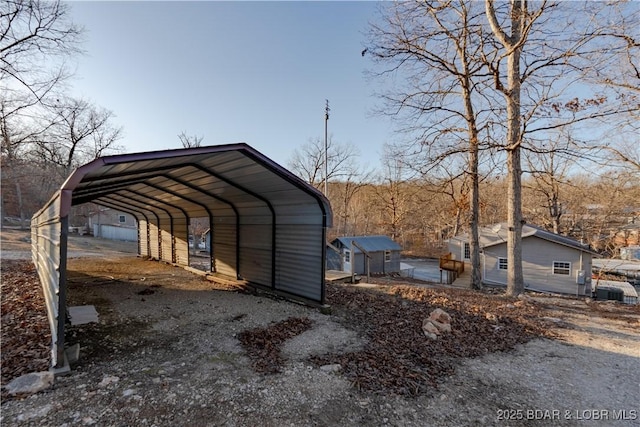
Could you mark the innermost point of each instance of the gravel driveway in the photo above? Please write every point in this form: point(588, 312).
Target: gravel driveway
point(166, 353)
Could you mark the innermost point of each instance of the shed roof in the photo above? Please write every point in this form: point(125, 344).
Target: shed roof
point(370, 243)
point(497, 234)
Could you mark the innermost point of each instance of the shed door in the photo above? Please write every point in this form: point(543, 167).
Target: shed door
point(347, 260)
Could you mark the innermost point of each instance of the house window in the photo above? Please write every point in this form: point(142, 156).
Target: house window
point(347, 256)
point(502, 263)
point(387, 256)
point(122, 219)
point(467, 250)
point(562, 267)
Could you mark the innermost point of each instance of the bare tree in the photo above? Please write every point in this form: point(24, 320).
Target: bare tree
point(32, 33)
point(394, 195)
point(341, 195)
point(37, 38)
point(626, 153)
point(438, 46)
point(520, 23)
point(550, 173)
point(190, 141)
point(616, 65)
point(16, 134)
point(543, 49)
point(78, 132)
point(308, 161)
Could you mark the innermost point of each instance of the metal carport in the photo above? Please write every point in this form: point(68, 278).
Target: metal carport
point(268, 226)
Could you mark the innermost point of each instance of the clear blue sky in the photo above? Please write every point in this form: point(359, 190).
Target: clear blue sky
point(254, 72)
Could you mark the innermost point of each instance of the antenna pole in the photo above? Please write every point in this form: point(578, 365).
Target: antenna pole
point(326, 146)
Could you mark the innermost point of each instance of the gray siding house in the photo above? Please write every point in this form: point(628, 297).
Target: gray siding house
point(384, 254)
point(550, 262)
point(114, 225)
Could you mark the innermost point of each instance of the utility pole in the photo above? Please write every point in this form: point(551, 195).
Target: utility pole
point(326, 146)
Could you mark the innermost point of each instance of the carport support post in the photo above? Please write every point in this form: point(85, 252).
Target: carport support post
point(62, 294)
point(212, 265)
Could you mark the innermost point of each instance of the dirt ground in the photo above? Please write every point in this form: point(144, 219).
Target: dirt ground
point(170, 350)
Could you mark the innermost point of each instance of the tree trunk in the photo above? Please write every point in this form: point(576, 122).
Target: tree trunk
point(513, 45)
point(1, 209)
point(20, 207)
point(474, 214)
point(474, 242)
point(515, 280)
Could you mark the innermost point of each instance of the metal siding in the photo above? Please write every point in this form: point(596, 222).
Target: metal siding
point(298, 250)
point(46, 238)
point(143, 234)
point(371, 243)
point(394, 265)
point(251, 212)
point(224, 247)
point(359, 267)
point(301, 219)
point(255, 253)
point(154, 251)
point(180, 232)
point(376, 263)
point(255, 265)
point(166, 240)
point(257, 193)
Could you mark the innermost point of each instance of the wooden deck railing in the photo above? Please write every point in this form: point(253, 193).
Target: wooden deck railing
point(448, 263)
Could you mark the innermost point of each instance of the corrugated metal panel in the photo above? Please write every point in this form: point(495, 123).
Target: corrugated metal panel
point(48, 234)
point(181, 232)
point(224, 243)
point(298, 248)
point(143, 233)
point(166, 239)
point(154, 241)
point(376, 262)
point(256, 253)
point(255, 265)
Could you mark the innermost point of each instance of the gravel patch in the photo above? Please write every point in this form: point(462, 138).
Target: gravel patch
point(167, 352)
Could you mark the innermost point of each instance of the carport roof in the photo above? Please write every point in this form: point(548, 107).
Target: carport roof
point(193, 180)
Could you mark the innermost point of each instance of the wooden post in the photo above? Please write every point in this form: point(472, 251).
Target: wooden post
point(353, 261)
